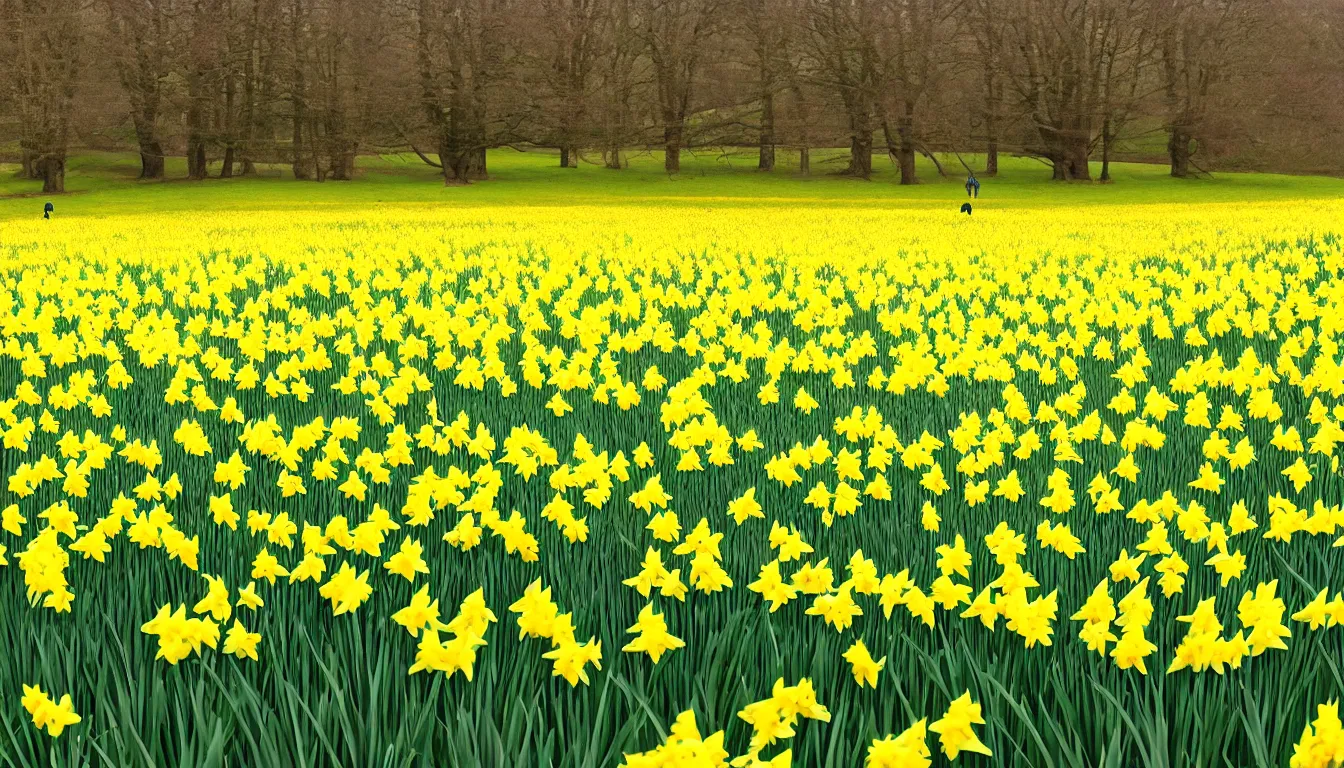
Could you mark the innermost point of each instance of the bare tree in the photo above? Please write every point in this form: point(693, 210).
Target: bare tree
point(332, 77)
point(41, 41)
point(766, 27)
point(313, 83)
point(463, 53)
point(261, 58)
point(842, 41)
point(1062, 47)
point(620, 70)
point(201, 59)
point(1199, 39)
point(569, 43)
point(141, 52)
point(675, 34)
point(915, 42)
point(985, 19)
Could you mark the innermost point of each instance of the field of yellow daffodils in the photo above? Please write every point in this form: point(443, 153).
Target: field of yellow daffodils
point(692, 487)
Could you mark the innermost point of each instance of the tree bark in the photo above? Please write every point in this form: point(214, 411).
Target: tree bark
point(767, 154)
point(230, 142)
point(343, 163)
point(1178, 149)
point(151, 150)
point(860, 156)
point(248, 117)
point(990, 41)
point(1106, 150)
point(456, 128)
point(901, 149)
point(151, 160)
point(672, 134)
point(860, 144)
point(313, 146)
point(804, 120)
point(1068, 153)
point(613, 158)
point(906, 151)
point(196, 162)
point(302, 167)
point(196, 159)
point(52, 167)
point(226, 168)
point(476, 168)
point(1076, 156)
point(28, 164)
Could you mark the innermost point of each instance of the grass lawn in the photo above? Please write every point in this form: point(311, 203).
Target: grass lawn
point(105, 184)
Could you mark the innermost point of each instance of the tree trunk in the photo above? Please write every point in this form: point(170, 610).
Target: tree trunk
point(672, 147)
point(1106, 150)
point(226, 169)
point(456, 129)
point(989, 52)
point(151, 159)
point(28, 164)
point(303, 169)
point(1077, 157)
point(860, 156)
point(300, 165)
point(860, 144)
point(1068, 153)
point(476, 168)
point(1059, 170)
point(249, 94)
point(196, 168)
point(767, 157)
point(804, 151)
point(893, 148)
point(196, 159)
point(52, 168)
point(613, 158)
point(901, 150)
point(454, 164)
point(564, 157)
point(314, 145)
point(906, 151)
point(263, 116)
point(1178, 148)
point(343, 163)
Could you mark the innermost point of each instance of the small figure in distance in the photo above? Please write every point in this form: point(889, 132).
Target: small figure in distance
point(47, 210)
point(966, 208)
point(972, 186)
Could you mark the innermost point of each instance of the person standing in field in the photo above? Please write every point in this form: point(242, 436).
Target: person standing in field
point(972, 186)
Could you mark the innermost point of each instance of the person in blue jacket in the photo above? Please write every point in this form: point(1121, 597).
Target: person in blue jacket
point(972, 186)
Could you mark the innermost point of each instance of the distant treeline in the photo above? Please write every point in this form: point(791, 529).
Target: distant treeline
point(313, 83)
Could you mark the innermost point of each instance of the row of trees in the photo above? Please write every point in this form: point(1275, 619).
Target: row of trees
point(312, 83)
